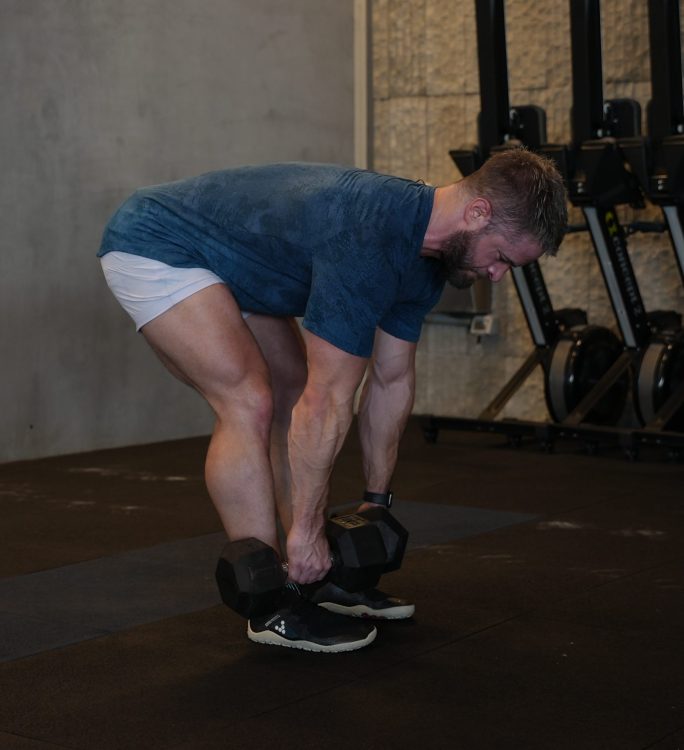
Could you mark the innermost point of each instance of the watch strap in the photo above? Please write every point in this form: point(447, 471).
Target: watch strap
point(379, 498)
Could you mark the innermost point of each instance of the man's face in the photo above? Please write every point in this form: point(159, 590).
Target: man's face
point(484, 254)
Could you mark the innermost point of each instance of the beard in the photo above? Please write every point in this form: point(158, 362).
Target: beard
point(457, 259)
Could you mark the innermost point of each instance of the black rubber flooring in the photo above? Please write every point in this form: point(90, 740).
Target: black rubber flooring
point(549, 593)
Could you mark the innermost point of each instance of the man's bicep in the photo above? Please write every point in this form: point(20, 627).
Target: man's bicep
point(331, 370)
point(348, 299)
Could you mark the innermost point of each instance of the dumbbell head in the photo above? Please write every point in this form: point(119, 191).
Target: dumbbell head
point(250, 577)
point(357, 550)
point(394, 535)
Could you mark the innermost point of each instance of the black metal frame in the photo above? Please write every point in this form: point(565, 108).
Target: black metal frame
point(658, 160)
point(500, 124)
point(547, 434)
point(597, 180)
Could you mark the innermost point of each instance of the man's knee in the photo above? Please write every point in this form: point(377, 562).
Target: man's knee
point(248, 403)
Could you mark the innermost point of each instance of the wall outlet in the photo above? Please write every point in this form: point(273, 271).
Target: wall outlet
point(483, 325)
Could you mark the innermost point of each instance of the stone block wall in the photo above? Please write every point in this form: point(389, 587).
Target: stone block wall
point(426, 99)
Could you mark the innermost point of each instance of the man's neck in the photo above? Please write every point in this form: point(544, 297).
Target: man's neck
point(446, 212)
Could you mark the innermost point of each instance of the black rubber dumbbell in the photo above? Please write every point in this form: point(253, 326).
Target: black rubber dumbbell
point(394, 535)
point(251, 575)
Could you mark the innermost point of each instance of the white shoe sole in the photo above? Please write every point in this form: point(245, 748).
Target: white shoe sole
point(270, 638)
point(361, 610)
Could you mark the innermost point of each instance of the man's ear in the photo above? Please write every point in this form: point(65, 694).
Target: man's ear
point(478, 213)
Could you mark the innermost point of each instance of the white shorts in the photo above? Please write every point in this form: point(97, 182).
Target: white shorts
point(147, 288)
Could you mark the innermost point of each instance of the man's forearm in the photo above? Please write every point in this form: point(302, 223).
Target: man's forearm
point(383, 412)
point(317, 432)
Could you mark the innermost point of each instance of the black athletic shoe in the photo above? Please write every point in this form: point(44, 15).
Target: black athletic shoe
point(368, 603)
point(298, 623)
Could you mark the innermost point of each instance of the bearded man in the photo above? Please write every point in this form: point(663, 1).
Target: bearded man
point(214, 270)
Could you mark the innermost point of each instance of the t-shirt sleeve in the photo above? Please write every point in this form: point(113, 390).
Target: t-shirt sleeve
point(404, 319)
point(349, 297)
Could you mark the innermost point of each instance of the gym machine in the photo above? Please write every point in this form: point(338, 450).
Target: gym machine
point(573, 355)
point(597, 180)
point(658, 162)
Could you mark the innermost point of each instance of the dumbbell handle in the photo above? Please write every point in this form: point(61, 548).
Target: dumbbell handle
point(286, 567)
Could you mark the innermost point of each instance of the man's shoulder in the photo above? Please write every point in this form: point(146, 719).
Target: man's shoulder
point(300, 172)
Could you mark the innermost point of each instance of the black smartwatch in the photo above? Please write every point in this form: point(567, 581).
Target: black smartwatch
point(379, 498)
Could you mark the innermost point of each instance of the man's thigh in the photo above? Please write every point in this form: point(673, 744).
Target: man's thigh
point(283, 349)
point(205, 342)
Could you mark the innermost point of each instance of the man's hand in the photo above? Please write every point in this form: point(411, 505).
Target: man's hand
point(308, 557)
point(366, 506)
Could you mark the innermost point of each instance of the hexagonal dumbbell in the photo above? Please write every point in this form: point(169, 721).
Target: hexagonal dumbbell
point(394, 535)
point(251, 575)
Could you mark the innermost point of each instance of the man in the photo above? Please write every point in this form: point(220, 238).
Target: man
point(214, 269)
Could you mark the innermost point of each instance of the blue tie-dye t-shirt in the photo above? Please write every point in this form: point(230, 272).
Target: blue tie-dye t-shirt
point(339, 247)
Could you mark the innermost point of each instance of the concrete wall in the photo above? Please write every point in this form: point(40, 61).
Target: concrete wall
point(101, 97)
point(426, 99)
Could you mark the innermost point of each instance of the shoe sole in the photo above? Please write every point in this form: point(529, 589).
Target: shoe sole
point(269, 638)
point(361, 610)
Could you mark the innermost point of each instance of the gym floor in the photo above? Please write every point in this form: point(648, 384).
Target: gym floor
point(548, 592)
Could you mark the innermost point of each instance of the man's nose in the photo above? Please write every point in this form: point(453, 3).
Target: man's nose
point(497, 271)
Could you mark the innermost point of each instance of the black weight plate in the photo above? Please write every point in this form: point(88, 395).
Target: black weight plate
point(394, 535)
point(250, 577)
point(358, 552)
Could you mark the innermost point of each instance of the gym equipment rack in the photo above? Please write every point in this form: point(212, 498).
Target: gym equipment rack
point(597, 179)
